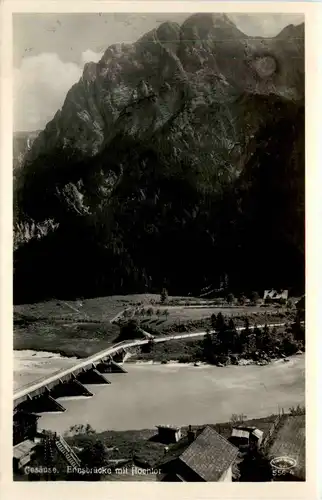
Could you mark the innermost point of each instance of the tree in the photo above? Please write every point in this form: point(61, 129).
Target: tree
point(258, 337)
point(289, 344)
point(220, 322)
point(243, 337)
point(298, 330)
point(93, 455)
point(230, 298)
point(148, 347)
point(236, 419)
point(129, 330)
point(246, 325)
point(213, 321)
point(254, 297)
point(164, 296)
point(298, 410)
point(232, 337)
point(207, 346)
point(241, 300)
point(300, 307)
point(231, 325)
point(81, 430)
point(251, 343)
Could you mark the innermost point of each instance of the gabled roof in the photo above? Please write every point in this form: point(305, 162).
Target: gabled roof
point(22, 449)
point(209, 455)
point(170, 427)
point(245, 432)
point(257, 433)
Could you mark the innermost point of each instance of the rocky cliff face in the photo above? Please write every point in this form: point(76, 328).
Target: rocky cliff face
point(22, 142)
point(184, 104)
point(207, 55)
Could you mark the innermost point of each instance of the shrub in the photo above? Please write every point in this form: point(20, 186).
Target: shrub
point(254, 297)
point(237, 419)
point(185, 358)
point(299, 410)
point(241, 300)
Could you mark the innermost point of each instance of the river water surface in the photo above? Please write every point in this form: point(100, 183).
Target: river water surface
point(152, 394)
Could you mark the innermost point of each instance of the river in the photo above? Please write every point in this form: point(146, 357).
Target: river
point(152, 394)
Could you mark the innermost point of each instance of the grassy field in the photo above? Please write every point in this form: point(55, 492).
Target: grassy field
point(290, 441)
point(99, 308)
point(72, 328)
point(162, 318)
point(83, 327)
point(70, 339)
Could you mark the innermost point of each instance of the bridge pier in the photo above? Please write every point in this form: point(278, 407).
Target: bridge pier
point(41, 404)
point(119, 356)
point(110, 366)
point(70, 388)
point(92, 376)
point(117, 368)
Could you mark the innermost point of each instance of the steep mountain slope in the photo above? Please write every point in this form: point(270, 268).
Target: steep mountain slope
point(22, 142)
point(155, 168)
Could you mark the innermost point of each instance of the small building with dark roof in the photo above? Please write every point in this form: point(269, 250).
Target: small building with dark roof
point(209, 457)
point(168, 433)
point(239, 437)
point(245, 436)
point(275, 295)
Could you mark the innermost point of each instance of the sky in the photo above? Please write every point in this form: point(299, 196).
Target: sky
point(50, 50)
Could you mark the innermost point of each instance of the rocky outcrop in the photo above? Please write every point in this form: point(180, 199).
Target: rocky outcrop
point(207, 58)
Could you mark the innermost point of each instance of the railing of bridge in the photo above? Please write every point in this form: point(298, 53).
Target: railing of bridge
point(61, 370)
point(38, 380)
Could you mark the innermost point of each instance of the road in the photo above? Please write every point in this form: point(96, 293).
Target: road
point(112, 350)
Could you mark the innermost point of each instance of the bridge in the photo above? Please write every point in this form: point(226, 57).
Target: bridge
point(42, 395)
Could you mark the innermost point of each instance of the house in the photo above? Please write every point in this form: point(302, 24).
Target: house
point(257, 437)
point(24, 426)
point(239, 437)
point(275, 296)
point(206, 457)
point(168, 433)
point(246, 436)
point(23, 452)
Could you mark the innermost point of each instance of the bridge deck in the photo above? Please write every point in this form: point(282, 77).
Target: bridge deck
point(40, 386)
